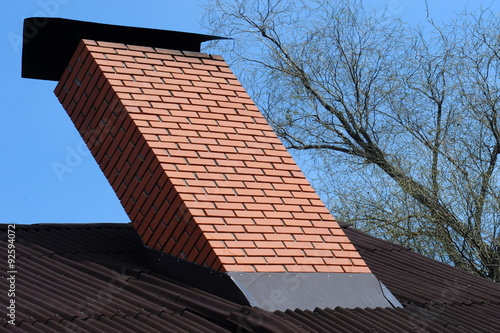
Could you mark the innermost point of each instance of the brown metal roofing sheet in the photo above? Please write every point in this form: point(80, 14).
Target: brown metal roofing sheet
point(97, 278)
point(414, 278)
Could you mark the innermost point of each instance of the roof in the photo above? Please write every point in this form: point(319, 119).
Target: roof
point(49, 43)
point(98, 277)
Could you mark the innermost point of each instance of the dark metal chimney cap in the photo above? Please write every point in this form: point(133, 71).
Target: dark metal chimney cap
point(49, 43)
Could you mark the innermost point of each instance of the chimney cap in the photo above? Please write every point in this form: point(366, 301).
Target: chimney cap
point(49, 43)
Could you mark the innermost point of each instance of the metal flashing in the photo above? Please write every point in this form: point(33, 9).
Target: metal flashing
point(307, 291)
point(279, 291)
point(49, 43)
point(198, 276)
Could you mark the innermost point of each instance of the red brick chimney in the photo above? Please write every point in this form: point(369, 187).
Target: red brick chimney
point(196, 166)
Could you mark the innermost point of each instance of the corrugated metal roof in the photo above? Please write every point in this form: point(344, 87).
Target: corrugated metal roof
point(97, 278)
point(416, 279)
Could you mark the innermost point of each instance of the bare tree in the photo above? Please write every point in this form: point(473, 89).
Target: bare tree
point(397, 127)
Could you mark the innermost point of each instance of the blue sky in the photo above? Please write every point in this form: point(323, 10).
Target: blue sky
point(36, 134)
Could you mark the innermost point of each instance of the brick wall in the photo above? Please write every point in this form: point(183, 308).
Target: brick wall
point(197, 168)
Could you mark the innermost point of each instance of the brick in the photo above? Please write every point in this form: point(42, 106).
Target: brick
point(246, 236)
point(328, 269)
point(306, 216)
point(141, 97)
point(240, 244)
point(309, 261)
point(131, 90)
point(318, 253)
point(260, 206)
point(140, 48)
point(222, 149)
point(226, 259)
point(154, 59)
point(316, 231)
point(358, 262)
point(213, 79)
point(269, 268)
point(338, 261)
point(281, 194)
point(137, 84)
point(299, 245)
point(211, 155)
point(230, 252)
point(227, 123)
point(305, 195)
point(287, 208)
point(300, 268)
point(164, 86)
point(289, 230)
point(245, 170)
point(187, 59)
point(270, 245)
point(229, 228)
point(210, 197)
point(204, 84)
point(150, 78)
point(356, 269)
point(278, 237)
point(278, 215)
point(200, 161)
point(327, 246)
point(307, 238)
point(295, 201)
point(241, 199)
point(278, 173)
point(210, 135)
point(259, 165)
point(192, 71)
point(200, 183)
point(280, 260)
point(238, 268)
point(191, 107)
point(111, 63)
point(200, 205)
point(271, 200)
point(250, 192)
point(336, 239)
point(131, 71)
point(222, 213)
point(260, 252)
point(250, 260)
point(229, 205)
point(269, 222)
point(249, 214)
point(348, 247)
point(259, 229)
point(113, 76)
point(347, 254)
point(112, 45)
point(219, 236)
point(136, 103)
point(208, 223)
